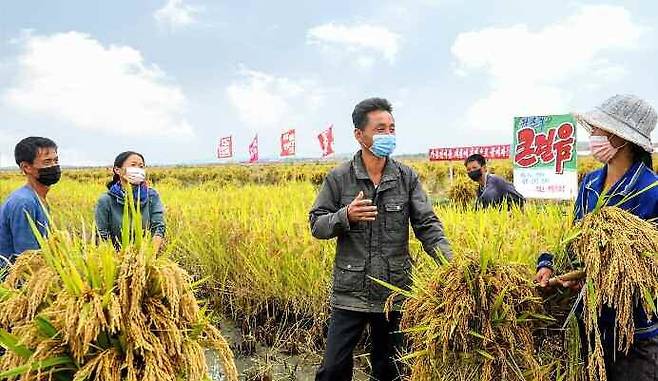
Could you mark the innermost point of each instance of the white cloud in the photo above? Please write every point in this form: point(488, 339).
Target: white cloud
point(267, 101)
point(174, 14)
point(539, 72)
point(8, 140)
point(357, 40)
point(74, 78)
point(69, 156)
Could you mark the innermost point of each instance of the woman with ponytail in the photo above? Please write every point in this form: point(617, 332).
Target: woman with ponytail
point(129, 173)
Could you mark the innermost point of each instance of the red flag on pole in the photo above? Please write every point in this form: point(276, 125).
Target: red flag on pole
point(326, 139)
point(253, 150)
point(288, 143)
point(225, 148)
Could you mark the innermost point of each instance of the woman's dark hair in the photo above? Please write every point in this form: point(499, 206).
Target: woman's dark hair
point(119, 162)
point(640, 155)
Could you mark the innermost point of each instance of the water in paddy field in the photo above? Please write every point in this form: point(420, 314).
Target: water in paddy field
point(214, 366)
point(268, 364)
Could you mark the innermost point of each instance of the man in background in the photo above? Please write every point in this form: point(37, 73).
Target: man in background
point(494, 191)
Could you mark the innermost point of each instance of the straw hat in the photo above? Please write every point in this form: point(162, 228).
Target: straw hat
point(627, 116)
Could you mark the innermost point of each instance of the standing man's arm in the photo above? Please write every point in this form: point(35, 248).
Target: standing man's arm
point(328, 219)
point(426, 225)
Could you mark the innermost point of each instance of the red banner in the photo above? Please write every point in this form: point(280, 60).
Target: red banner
point(462, 153)
point(288, 143)
point(225, 148)
point(326, 139)
point(253, 150)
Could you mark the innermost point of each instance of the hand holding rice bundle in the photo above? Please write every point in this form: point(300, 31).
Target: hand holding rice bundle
point(615, 213)
point(474, 320)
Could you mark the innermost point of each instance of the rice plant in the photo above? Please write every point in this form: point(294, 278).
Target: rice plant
point(77, 310)
point(621, 272)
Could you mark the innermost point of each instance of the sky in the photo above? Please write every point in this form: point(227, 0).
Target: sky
point(168, 78)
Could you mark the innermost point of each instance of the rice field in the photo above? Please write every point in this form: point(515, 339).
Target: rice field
point(244, 231)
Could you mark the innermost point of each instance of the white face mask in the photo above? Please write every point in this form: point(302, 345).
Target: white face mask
point(135, 175)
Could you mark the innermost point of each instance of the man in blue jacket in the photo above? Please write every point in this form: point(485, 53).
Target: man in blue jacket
point(493, 191)
point(38, 160)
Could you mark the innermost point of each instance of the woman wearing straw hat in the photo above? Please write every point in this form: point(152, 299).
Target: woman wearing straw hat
point(620, 137)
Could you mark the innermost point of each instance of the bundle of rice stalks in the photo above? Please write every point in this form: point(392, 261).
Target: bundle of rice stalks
point(619, 252)
point(463, 191)
point(474, 320)
point(79, 311)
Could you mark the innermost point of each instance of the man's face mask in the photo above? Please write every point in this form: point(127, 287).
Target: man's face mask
point(383, 145)
point(475, 174)
point(49, 175)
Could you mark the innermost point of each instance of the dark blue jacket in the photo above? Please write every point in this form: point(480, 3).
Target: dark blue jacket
point(645, 206)
point(498, 192)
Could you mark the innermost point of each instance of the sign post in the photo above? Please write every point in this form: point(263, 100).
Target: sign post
point(545, 157)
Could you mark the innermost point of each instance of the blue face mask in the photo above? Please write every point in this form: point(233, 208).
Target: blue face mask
point(383, 145)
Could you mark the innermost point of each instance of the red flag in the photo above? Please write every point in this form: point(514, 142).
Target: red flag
point(253, 150)
point(225, 148)
point(326, 139)
point(288, 143)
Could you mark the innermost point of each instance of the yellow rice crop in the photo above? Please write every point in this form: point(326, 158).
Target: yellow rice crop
point(463, 191)
point(474, 320)
point(245, 230)
point(622, 271)
point(79, 311)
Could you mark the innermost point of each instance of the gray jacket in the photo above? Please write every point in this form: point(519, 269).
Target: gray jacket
point(109, 216)
point(378, 249)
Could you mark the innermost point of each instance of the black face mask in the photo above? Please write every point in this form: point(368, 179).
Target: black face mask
point(475, 175)
point(49, 175)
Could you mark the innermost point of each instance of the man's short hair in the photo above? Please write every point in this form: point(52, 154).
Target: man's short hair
point(476, 157)
point(27, 149)
point(361, 110)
